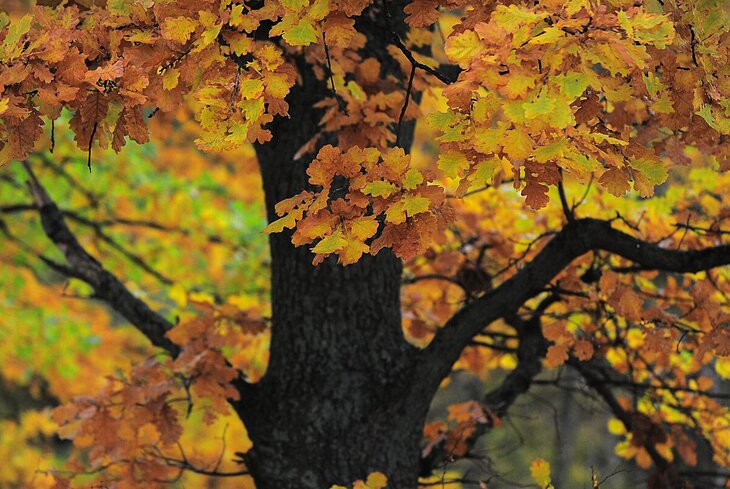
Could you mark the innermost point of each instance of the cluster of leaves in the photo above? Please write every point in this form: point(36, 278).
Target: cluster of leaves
point(133, 426)
point(152, 54)
point(585, 89)
point(461, 423)
point(376, 187)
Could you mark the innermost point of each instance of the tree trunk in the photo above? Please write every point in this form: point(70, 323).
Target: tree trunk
point(333, 404)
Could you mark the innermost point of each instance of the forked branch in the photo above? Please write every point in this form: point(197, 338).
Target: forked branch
point(575, 239)
point(83, 266)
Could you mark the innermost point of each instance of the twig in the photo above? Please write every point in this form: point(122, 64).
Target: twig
point(91, 144)
point(338, 98)
point(405, 103)
point(567, 210)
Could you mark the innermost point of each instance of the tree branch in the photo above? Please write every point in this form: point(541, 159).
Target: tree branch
point(530, 352)
point(574, 240)
point(81, 265)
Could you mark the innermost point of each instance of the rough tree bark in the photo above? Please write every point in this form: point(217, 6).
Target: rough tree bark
point(332, 405)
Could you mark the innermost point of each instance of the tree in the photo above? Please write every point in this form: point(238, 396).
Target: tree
point(584, 100)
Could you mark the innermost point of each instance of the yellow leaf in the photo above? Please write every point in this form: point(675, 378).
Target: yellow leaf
point(170, 78)
point(4, 103)
point(356, 91)
point(377, 480)
point(241, 44)
point(379, 188)
point(548, 36)
point(179, 295)
point(518, 85)
point(722, 367)
point(507, 362)
point(517, 144)
point(352, 252)
point(412, 179)
point(237, 16)
point(540, 471)
point(512, 17)
point(202, 297)
point(251, 89)
point(286, 222)
point(616, 427)
point(295, 5)
point(142, 37)
point(461, 48)
point(12, 46)
point(395, 213)
point(363, 227)
point(277, 85)
point(178, 28)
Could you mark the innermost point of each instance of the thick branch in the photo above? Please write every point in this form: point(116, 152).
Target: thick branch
point(530, 352)
point(85, 267)
point(574, 240)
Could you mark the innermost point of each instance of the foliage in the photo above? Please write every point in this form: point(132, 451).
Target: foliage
point(612, 114)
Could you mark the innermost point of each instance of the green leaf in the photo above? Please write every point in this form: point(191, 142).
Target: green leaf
point(542, 105)
point(572, 84)
point(706, 113)
point(415, 204)
point(485, 172)
point(653, 170)
point(379, 188)
point(302, 34)
point(331, 243)
point(452, 163)
point(550, 151)
point(412, 179)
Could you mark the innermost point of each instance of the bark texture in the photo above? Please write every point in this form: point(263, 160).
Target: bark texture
point(332, 406)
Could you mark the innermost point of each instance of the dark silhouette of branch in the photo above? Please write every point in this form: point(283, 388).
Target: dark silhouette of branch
point(409, 89)
point(81, 265)
point(574, 240)
point(567, 209)
point(340, 101)
point(119, 221)
point(530, 352)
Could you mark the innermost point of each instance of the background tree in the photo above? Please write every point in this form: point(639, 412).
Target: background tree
point(581, 99)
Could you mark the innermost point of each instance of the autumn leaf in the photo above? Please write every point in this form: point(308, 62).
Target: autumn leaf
point(540, 471)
